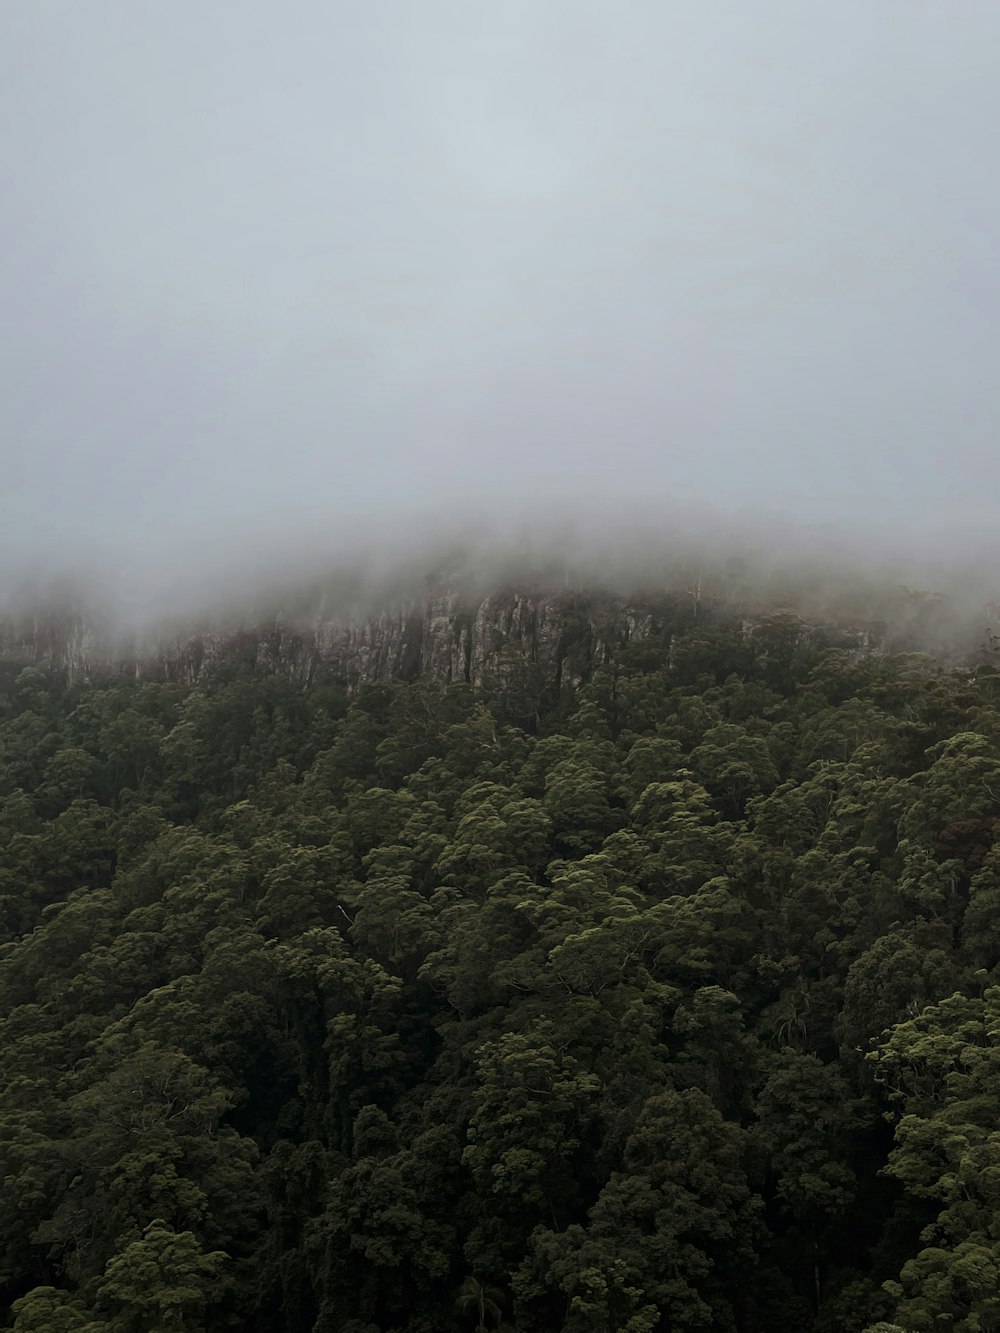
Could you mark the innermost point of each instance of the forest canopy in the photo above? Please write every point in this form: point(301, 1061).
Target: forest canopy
point(668, 1000)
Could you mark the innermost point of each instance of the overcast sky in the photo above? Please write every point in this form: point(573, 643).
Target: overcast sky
point(276, 267)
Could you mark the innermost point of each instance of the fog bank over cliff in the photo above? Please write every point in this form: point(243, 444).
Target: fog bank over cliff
point(341, 570)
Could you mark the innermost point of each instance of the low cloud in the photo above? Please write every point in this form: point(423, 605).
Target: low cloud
point(344, 286)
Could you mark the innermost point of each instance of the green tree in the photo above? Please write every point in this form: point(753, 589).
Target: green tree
point(162, 1282)
point(943, 1067)
point(482, 1301)
point(669, 1241)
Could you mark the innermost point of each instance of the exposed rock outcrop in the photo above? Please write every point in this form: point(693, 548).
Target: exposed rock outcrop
point(551, 637)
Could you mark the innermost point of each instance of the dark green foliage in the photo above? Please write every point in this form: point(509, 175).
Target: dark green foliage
point(666, 1001)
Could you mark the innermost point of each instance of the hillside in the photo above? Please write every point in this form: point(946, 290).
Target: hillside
point(553, 961)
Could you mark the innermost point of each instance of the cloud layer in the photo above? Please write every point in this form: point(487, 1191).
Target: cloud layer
point(272, 275)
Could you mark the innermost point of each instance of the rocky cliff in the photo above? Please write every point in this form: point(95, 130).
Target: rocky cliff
point(550, 636)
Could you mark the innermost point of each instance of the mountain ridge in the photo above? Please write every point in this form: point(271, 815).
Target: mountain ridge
point(450, 634)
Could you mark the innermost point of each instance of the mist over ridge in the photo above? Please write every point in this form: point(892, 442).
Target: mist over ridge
point(933, 591)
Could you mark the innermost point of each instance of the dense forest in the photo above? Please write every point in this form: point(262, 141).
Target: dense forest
point(664, 1000)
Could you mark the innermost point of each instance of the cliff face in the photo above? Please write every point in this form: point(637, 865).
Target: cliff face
point(444, 637)
point(512, 635)
point(59, 637)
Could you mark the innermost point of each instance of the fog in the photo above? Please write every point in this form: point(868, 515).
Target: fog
point(292, 286)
